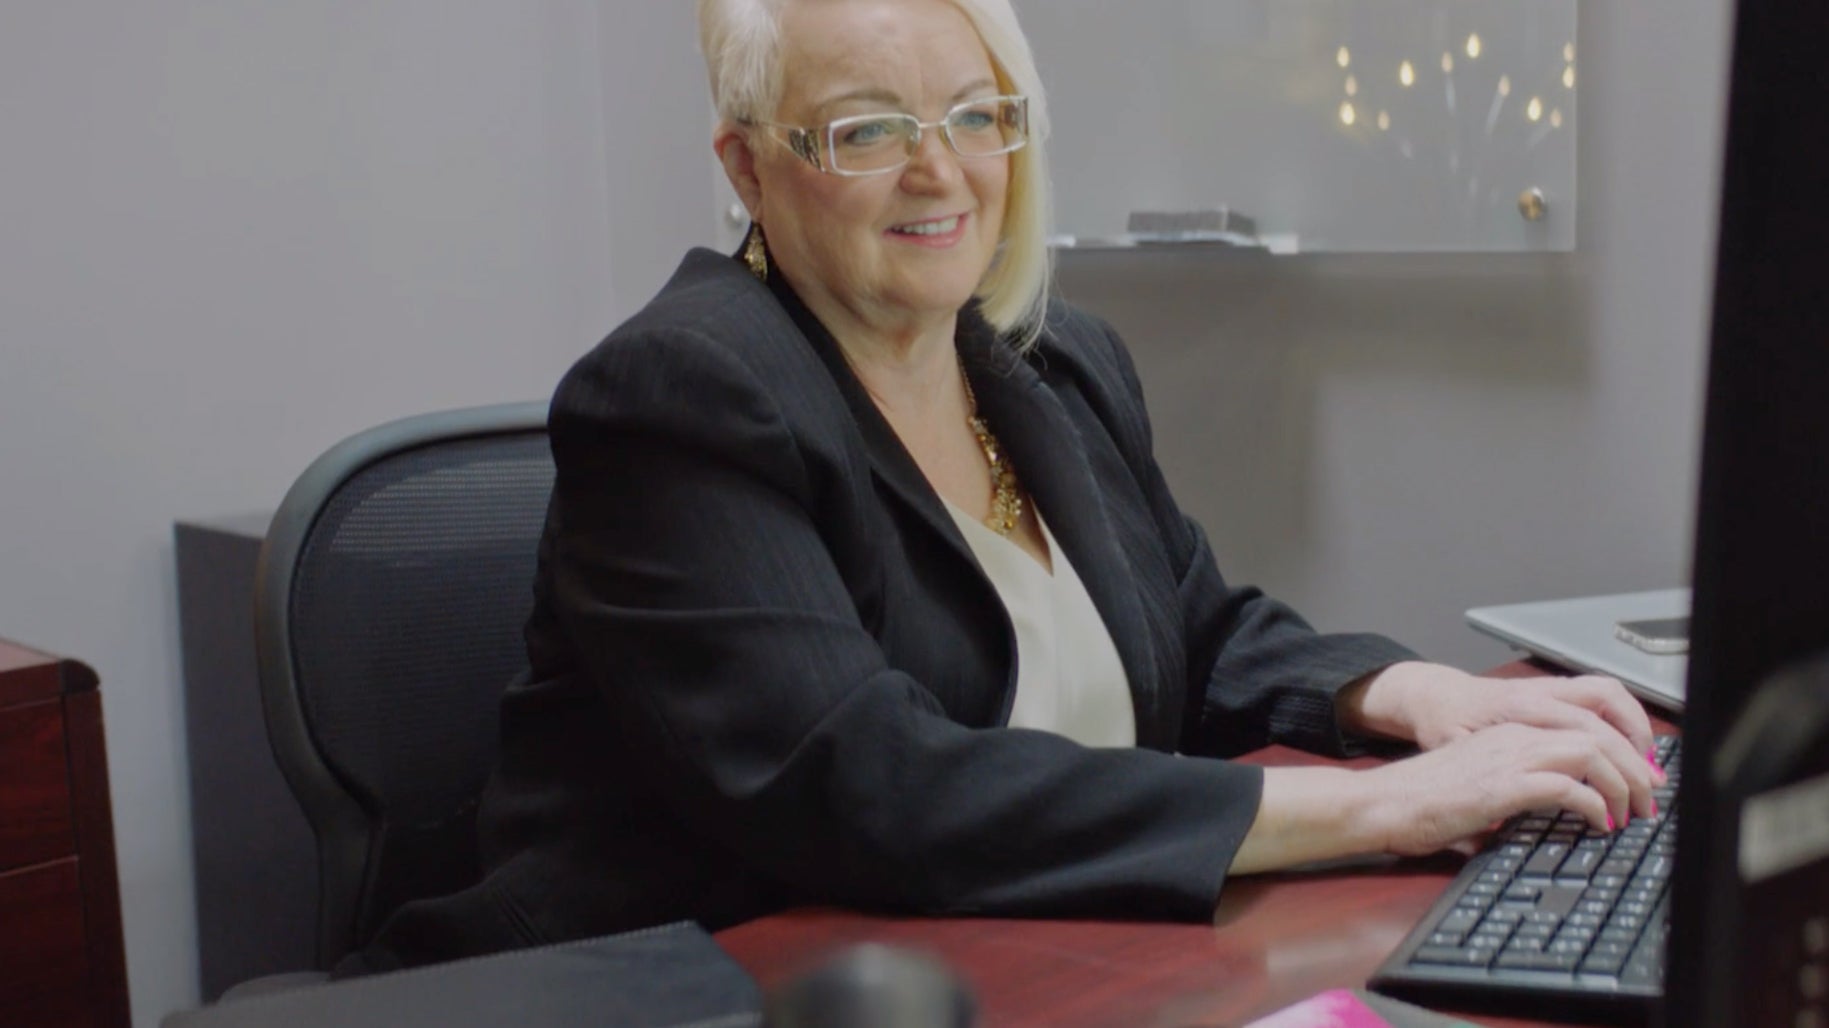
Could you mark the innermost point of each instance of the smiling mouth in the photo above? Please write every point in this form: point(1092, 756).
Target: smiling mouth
point(939, 227)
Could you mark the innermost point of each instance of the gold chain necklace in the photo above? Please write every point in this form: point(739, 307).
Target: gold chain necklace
point(1006, 495)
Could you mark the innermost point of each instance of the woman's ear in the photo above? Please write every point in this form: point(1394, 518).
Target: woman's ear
point(731, 144)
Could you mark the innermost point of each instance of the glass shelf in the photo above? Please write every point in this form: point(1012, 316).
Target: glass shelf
point(1336, 125)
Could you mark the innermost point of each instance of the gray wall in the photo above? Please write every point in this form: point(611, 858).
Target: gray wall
point(231, 234)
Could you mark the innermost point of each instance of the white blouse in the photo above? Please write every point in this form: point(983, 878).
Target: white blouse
point(1068, 677)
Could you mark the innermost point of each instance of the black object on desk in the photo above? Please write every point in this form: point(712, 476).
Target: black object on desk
point(672, 976)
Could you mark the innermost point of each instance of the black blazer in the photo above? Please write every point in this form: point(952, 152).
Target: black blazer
point(768, 671)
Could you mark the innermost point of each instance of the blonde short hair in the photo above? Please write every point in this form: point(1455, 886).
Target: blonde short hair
point(741, 41)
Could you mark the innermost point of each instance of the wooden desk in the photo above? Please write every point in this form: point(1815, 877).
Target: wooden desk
point(61, 959)
point(1275, 940)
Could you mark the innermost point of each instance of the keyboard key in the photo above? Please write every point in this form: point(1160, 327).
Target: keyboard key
point(1459, 921)
point(1537, 961)
point(1521, 893)
point(1451, 956)
point(1488, 938)
point(1543, 862)
point(1613, 934)
point(1604, 948)
point(1603, 963)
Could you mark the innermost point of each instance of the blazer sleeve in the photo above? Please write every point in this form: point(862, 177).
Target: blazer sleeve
point(1258, 673)
point(692, 579)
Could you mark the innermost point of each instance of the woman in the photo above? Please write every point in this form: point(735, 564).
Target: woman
point(861, 585)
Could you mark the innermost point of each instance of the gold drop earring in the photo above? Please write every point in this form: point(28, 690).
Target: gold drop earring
point(755, 252)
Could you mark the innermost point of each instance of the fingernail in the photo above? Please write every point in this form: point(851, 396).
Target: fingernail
point(1654, 808)
point(1609, 822)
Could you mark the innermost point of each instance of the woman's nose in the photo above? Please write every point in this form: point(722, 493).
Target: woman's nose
point(933, 164)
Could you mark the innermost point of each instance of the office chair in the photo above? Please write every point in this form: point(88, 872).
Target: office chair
point(391, 594)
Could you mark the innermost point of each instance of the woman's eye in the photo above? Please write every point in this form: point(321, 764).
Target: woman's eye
point(865, 133)
point(974, 120)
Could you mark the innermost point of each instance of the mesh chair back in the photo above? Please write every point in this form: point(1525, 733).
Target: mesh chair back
point(394, 588)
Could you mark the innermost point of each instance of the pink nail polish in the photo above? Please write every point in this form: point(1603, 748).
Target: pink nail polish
point(1654, 808)
point(1609, 822)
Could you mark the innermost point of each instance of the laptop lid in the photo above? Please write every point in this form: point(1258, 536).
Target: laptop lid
point(1579, 634)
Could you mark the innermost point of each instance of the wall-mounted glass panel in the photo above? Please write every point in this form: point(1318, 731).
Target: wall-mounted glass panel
point(1312, 125)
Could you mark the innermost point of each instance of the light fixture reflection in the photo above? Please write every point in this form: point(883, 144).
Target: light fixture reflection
point(1504, 85)
point(1568, 52)
point(1352, 86)
point(1406, 74)
point(1347, 114)
point(1535, 110)
point(1447, 63)
point(1473, 47)
point(1556, 118)
point(1384, 121)
point(1345, 58)
point(1568, 77)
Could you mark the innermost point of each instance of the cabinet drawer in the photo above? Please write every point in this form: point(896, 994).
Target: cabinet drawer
point(41, 936)
point(34, 786)
point(35, 803)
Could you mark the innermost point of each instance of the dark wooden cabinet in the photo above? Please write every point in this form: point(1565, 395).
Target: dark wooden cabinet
point(61, 961)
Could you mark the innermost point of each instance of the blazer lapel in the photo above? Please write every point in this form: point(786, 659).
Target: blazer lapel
point(1050, 458)
point(889, 459)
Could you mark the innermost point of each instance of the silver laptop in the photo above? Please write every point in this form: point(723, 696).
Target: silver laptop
point(1579, 634)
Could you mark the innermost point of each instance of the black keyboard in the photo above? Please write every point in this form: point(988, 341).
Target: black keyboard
point(1551, 919)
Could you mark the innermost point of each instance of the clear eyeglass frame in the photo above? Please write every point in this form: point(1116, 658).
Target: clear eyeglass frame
point(818, 146)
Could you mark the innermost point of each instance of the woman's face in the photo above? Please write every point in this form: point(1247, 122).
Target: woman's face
point(903, 247)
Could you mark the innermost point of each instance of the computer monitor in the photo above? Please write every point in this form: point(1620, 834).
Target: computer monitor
point(1746, 941)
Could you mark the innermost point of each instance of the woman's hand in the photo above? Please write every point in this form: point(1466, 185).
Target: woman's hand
point(1445, 798)
point(1450, 796)
point(1437, 706)
point(1434, 705)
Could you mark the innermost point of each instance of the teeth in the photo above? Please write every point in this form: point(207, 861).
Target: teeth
point(930, 228)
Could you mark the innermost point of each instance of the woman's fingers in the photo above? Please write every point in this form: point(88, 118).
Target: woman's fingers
point(1582, 705)
point(1607, 698)
point(1559, 790)
point(1604, 778)
point(1447, 796)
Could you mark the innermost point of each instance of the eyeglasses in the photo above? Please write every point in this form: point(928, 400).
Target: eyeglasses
point(874, 144)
